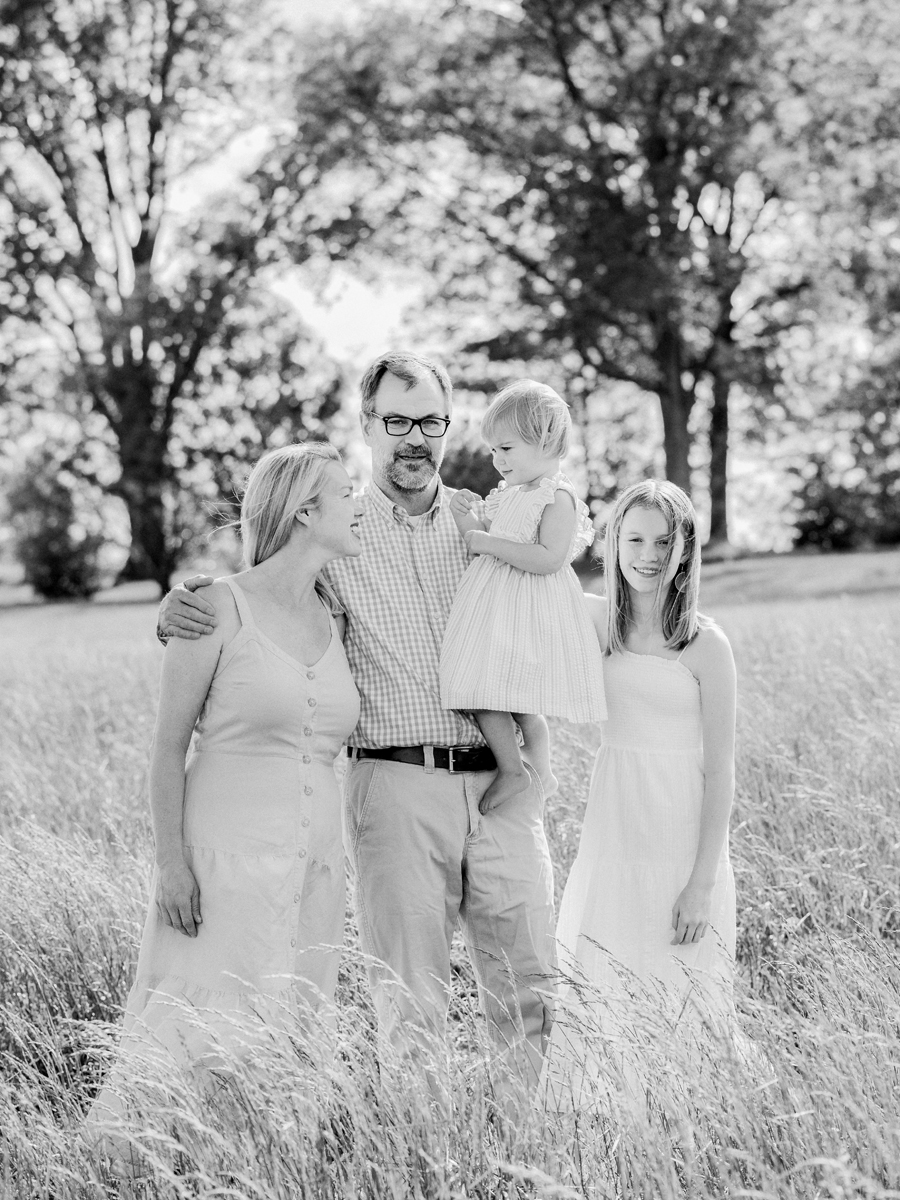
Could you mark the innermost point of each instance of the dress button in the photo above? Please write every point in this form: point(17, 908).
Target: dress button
point(310, 674)
point(307, 791)
point(301, 854)
point(306, 758)
point(307, 731)
point(296, 897)
point(311, 702)
point(293, 941)
point(305, 822)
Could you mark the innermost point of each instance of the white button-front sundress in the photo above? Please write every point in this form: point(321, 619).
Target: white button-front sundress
point(517, 641)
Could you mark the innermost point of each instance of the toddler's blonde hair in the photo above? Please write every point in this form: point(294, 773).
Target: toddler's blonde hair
point(534, 412)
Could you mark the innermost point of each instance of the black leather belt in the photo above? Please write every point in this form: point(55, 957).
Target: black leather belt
point(454, 759)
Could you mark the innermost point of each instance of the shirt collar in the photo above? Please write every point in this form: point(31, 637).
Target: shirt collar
point(384, 505)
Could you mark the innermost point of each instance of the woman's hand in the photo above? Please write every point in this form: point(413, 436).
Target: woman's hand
point(690, 914)
point(178, 898)
point(468, 511)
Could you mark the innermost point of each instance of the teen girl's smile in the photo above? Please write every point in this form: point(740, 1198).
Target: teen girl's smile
point(644, 555)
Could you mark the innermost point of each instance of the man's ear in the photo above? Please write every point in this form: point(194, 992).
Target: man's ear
point(364, 424)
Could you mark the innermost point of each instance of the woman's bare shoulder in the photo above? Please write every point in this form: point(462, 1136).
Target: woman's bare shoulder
point(221, 597)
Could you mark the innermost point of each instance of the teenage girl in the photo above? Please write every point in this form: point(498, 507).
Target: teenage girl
point(519, 644)
point(651, 889)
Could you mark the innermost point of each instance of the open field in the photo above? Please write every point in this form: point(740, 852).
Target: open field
point(813, 1114)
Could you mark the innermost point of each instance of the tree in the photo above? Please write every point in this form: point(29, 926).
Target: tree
point(108, 111)
point(586, 174)
point(55, 545)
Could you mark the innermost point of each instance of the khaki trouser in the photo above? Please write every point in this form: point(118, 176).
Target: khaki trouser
point(423, 858)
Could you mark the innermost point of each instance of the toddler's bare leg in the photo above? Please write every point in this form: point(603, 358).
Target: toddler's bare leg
point(536, 735)
point(499, 731)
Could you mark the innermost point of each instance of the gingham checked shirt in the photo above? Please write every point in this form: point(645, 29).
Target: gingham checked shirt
point(397, 596)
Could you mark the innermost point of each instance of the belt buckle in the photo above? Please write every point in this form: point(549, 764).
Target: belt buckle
point(451, 762)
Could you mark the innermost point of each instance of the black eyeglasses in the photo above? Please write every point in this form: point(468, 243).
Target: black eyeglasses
point(399, 426)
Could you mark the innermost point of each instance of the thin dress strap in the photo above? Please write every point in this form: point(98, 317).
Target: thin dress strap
point(243, 605)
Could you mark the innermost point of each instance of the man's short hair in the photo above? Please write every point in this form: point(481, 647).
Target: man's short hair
point(409, 368)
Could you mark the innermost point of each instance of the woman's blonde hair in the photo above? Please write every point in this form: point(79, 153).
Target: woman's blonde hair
point(534, 412)
point(283, 483)
point(678, 606)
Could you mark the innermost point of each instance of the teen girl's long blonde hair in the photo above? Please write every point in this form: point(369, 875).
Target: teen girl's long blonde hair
point(678, 607)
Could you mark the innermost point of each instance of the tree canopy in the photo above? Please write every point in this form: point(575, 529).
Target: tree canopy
point(611, 186)
point(147, 305)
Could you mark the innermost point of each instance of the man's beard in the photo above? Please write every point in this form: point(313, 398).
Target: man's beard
point(400, 472)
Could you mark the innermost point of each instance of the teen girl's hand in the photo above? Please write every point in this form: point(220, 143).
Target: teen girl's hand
point(178, 898)
point(690, 915)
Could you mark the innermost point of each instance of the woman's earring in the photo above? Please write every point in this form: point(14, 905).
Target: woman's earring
point(681, 580)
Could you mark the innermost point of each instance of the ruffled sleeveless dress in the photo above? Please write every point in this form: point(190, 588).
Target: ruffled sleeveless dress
point(517, 641)
point(637, 850)
point(262, 828)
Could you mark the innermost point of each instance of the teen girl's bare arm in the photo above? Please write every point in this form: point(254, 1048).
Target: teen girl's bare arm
point(712, 662)
point(598, 611)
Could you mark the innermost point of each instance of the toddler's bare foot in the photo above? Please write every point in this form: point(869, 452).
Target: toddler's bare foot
point(503, 787)
point(549, 783)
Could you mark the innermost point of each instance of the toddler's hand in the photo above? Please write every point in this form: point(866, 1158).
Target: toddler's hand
point(467, 509)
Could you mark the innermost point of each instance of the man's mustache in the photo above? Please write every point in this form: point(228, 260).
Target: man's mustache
point(416, 454)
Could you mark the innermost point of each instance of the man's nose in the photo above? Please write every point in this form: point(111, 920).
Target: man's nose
point(415, 436)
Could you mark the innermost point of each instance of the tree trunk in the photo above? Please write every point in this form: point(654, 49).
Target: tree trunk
point(149, 556)
point(142, 485)
point(718, 461)
point(676, 403)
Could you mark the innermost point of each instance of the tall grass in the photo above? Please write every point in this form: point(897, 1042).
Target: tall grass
point(812, 1112)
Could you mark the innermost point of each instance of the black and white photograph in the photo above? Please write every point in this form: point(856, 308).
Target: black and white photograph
point(449, 600)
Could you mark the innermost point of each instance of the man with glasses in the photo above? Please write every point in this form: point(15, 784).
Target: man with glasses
point(423, 855)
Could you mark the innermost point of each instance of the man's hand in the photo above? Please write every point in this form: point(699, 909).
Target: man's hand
point(468, 511)
point(184, 614)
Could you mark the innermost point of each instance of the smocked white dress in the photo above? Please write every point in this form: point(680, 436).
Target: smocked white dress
point(517, 641)
point(262, 830)
point(637, 851)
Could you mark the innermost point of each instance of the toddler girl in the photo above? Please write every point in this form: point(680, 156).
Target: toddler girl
point(519, 641)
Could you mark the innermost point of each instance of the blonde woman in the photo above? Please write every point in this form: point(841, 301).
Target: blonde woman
point(247, 908)
point(650, 898)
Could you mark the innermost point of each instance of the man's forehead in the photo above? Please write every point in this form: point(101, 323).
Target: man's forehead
point(397, 396)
